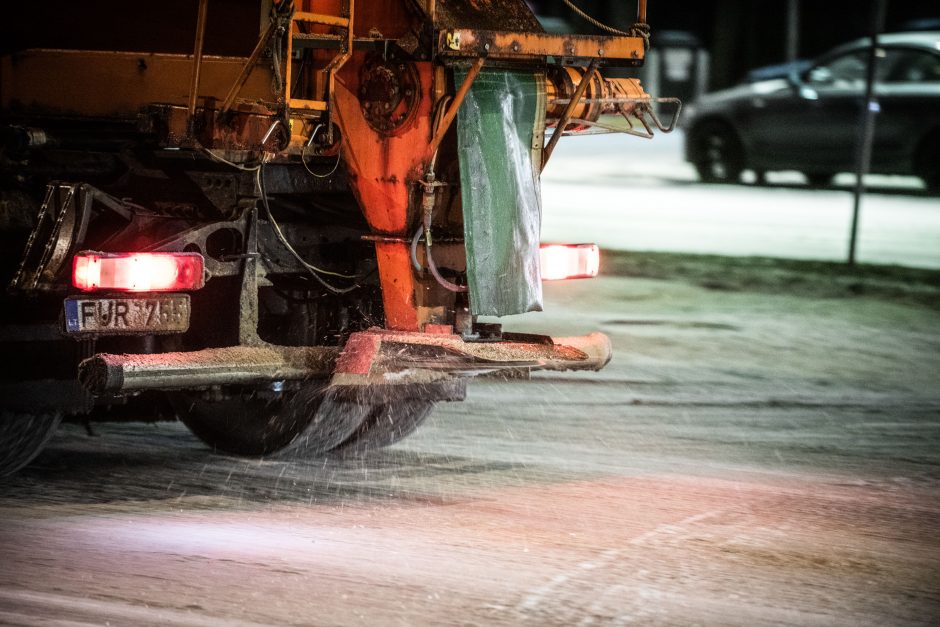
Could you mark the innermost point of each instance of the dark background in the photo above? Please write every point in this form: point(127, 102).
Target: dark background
point(744, 34)
point(739, 34)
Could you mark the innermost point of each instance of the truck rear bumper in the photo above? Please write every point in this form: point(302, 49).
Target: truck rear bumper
point(377, 357)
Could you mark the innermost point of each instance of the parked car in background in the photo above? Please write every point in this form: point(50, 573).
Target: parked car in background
point(781, 70)
point(809, 120)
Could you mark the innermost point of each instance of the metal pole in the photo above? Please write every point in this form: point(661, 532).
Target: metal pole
point(451, 113)
point(866, 123)
point(572, 105)
point(793, 30)
point(197, 56)
point(249, 65)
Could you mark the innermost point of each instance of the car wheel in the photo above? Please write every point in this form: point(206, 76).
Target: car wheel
point(932, 179)
point(719, 153)
point(928, 162)
point(819, 179)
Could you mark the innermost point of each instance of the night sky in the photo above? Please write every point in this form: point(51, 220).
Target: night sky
point(744, 34)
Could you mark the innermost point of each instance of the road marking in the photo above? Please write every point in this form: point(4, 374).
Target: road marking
point(673, 527)
point(535, 597)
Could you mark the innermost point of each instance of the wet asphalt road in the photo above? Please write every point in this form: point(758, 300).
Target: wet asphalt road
point(745, 459)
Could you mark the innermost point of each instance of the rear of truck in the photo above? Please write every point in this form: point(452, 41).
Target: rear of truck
point(282, 221)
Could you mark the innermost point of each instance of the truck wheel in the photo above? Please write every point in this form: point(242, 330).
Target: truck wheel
point(306, 422)
point(719, 156)
point(388, 424)
point(22, 437)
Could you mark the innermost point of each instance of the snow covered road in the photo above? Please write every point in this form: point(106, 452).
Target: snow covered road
point(746, 459)
point(630, 194)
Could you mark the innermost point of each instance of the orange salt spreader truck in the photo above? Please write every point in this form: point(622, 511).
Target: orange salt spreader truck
point(279, 221)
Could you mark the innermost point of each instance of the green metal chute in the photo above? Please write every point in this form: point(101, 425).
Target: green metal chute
point(500, 134)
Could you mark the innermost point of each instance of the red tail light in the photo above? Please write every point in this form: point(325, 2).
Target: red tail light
point(571, 261)
point(138, 272)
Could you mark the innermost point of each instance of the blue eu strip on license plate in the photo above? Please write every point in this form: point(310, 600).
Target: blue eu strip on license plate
point(71, 316)
point(164, 313)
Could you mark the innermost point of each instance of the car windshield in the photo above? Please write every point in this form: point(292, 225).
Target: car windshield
point(911, 66)
point(894, 65)
point(845, 71)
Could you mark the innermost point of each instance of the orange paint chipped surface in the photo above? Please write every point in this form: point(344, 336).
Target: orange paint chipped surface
point(383, 168)
point(398, 285)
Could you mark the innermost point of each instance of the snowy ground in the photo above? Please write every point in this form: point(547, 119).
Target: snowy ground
point(746, 459)
point(626, 193)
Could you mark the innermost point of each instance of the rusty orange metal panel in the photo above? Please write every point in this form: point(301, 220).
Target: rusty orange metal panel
point(309, 105)
point(83, 82)
point(383, 168)
point(514, 45)
point(398, 285)
point(319, 18)
point(391, 18)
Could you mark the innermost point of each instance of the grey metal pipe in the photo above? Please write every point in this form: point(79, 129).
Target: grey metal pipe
point(107, 373)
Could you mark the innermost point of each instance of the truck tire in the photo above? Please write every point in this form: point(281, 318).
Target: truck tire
point(387, 424)
point(303, 423)
point(23, 436)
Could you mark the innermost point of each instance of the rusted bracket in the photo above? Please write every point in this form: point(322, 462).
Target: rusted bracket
point(641, 109)
point(448, 118)
point(197, 60)
point(249, 65)
point(248, 295)
point(566, 116)
point(61, 226)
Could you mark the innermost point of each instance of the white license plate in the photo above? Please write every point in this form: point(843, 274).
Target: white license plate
point(166, 313)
